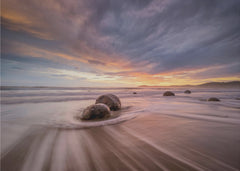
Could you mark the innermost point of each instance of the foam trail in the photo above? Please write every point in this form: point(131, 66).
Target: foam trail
point(83, 125)
point(218, 162)
point(157, 147)
point(59, 153)
point(79, 159)
point(39, 152)
point(206, 118)
point(117, 136)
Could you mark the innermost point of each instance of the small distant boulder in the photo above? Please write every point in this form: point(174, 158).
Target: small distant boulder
point(96, 111)
point(168, 93)
point(134, 92)
point(110, 100)
point(213, 99)
point(187, 92)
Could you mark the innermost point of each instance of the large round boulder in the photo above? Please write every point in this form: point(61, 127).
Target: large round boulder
point(96, 111)
point(213, 99)
point(187, 92)
point(110, 100)
point(168, 93)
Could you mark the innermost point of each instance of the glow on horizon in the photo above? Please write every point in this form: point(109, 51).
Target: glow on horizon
point(137, 80)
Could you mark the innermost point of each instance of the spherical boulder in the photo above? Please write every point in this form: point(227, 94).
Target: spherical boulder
point(95, 111)
point(187, 92)
point(110, 100)
point(213, 99)
point(168, 93)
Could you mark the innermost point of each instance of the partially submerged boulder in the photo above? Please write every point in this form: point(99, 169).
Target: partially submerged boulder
point(134, 92)
point(213, 99)
point(95, 111)
point(168, 93)
point(187, 92)
point(110, 100)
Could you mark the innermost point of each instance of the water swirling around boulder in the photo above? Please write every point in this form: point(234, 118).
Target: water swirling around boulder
point(112, 101)
point(95, 111)
point(116, 117)
point(168, 93)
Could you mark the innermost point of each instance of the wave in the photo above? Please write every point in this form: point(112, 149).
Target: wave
point(63, 88)
point(43, 100)
point(213, 118)
point(123, 115)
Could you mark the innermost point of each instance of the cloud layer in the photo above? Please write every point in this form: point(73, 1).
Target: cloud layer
point(130, 42)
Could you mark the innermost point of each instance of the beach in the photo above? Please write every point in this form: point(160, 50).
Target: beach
point(39, 130)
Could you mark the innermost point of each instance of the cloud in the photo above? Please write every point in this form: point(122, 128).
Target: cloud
point(135, 39)
point(96, 62)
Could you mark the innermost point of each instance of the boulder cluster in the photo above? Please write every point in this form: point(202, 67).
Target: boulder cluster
point(169, 93)
point(109, 102)
point(102, 107)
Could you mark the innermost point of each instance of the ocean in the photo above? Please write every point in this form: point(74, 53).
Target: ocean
point(40, 131)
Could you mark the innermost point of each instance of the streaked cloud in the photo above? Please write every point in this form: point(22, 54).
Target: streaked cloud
point(155, 42)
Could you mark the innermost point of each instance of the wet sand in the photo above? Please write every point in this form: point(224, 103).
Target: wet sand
point(150, 133)
point(148, 142)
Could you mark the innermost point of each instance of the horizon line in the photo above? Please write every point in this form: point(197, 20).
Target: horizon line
point(140, 86)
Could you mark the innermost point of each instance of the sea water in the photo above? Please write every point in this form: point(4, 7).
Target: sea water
point(39, 130)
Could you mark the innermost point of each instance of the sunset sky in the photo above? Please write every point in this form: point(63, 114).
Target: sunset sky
point(119, 42)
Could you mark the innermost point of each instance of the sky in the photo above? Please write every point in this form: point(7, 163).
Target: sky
point(119, 43)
